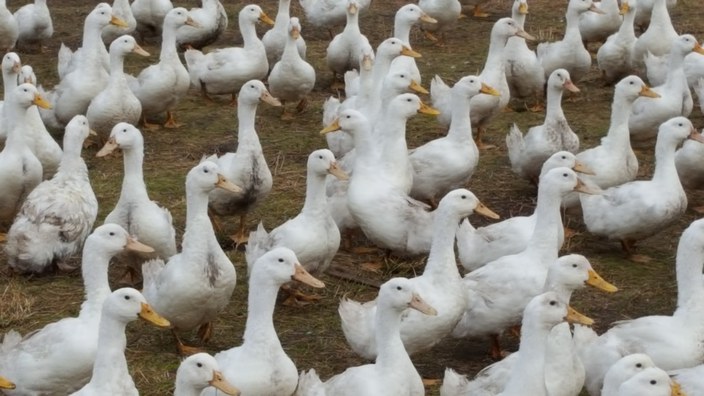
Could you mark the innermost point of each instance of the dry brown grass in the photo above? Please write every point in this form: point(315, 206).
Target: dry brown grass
point(311, 335)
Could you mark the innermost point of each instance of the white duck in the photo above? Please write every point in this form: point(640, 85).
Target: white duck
point(598, 26)
point(406, 17)
point(199, 371)
point(614, 56)
point(34, 23)
point(569, 53)
point(194, 286)
point(675, 96)
point(122, 10)
point(639, 209)
point(116, 102)
point(150, 16)
point(659, 36)
point(524, 73)
point(247, 166)
point(292, 78)
point(688, 163)
point(614, 158)
point(528, 153)
point(623, 370)
point(448, 162)
point(689, 379)
point(251, 366)
point(344, 51)
point(312, 234)
point(565, 276)
point(226, 70)
point(38, 361)
point(275, 39)
point(376, 196)
point(134, 211)
point(85, 75)
point(20, 170)
point(328, 13)
point(160, 87)
point(673, 342)
point(11, 66)
point(110, 375)
point(445, 12)
point(477, 247)
point(650, 382)
point(645, 10)
point(9, 30)
point(499, 291)
point(210, 23)
point(57, 216)
point(441, 284)
point(484, 107)
point(393, 372)
point(27, 75)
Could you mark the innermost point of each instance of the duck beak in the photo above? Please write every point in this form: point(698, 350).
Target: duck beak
point(698, 49)
point(525, 35)
point(41, 102)
point(109, 147)
point(523, 8)
point(6, 383)
point(676, 389)
point(335, 126)
point(220, 383)
point(267, 98)
point(581, 168)
point(367, 63)
point(336, 171)
point(425, 109)
point(486, 212)
point(227, 185)
point(139, 50)
point(148, 314)
point(191, 22)
point(420, 305)
point(583, 188)
point(295, 33)
point(569, 85)
point(16, 67)
point(264, 18)
point(694, 135)
point(414, 86)
point(647, 92)
point(136, 246)
point(427, 18)
point(575, 317)
point(405, 50)
point(303, 276)
point(92, 132)
point(352, 9)
point(489, 90)
point(624, 8)
point(118, 22)
point(597, 281)
point(594, 8)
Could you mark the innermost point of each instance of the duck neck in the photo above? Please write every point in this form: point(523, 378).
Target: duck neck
point(352, 25)
point(495, 58)
point(690, 262)
point(316, 200)
point(168, 44)
point(16, 117)
point(9, 81)
point(184, 388)
point(390, 349)
point(402, 29)
point(618, 130)
point(117, 63)
point(531, 360)
point(92, 38)
point(675, 75)
point(291, 50)
point(518, 17)
point(260, 311)
point(660, 16)
point(665, 170)
point(545, 235)
point(249, 35)
point(110, 362)
point(441, 259)
point(133, 183)
point(71, 161)
point(554, 107)
point(95, 280)
point(572, 33)
point(246, 115)
point(197, 220)
point(627, 29)
point(552, 283)
point(460, 124)
point(283, 16)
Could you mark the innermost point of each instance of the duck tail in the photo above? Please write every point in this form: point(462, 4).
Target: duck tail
point(48, 116)
point(309, 384)
point(255, 246)
point(150, 273)
point(357, 322)
point(331, 109)
point(515, 144)
point(64, 60)
point(441, 98)
point(11, 339)
point(453, 384)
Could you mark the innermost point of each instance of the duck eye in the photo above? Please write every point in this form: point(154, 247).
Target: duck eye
point(653, 382)
point(408, 100)
point(348, 117)
point(205, 170)
point(281, 260)
point(199, 364)
point(127, 297)
point(564, 157)
point(574, 265)
point(464, 197)
point(565, 175)
point(680, 124)
point(639, 365)
point(399, 288)
point(553, 303)
point(320, 156)
point(112, 233)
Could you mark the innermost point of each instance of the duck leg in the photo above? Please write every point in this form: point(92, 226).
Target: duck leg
point(478, 140)
point(3, 236)
point(477, 12)
point(297, 298)
point(205, 331)
point(233, 102)
point(171, 121)
point(430, 36)
point(204, 93)
point(149, 125)
point(286, 115)
point(301, 105)
point(184, 350)
point(495, 351)
point(629, 246)
point(241, 236)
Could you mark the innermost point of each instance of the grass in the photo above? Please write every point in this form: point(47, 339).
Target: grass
point(311, 335)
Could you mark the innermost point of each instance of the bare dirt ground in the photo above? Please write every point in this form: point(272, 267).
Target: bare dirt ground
point(311, 335)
